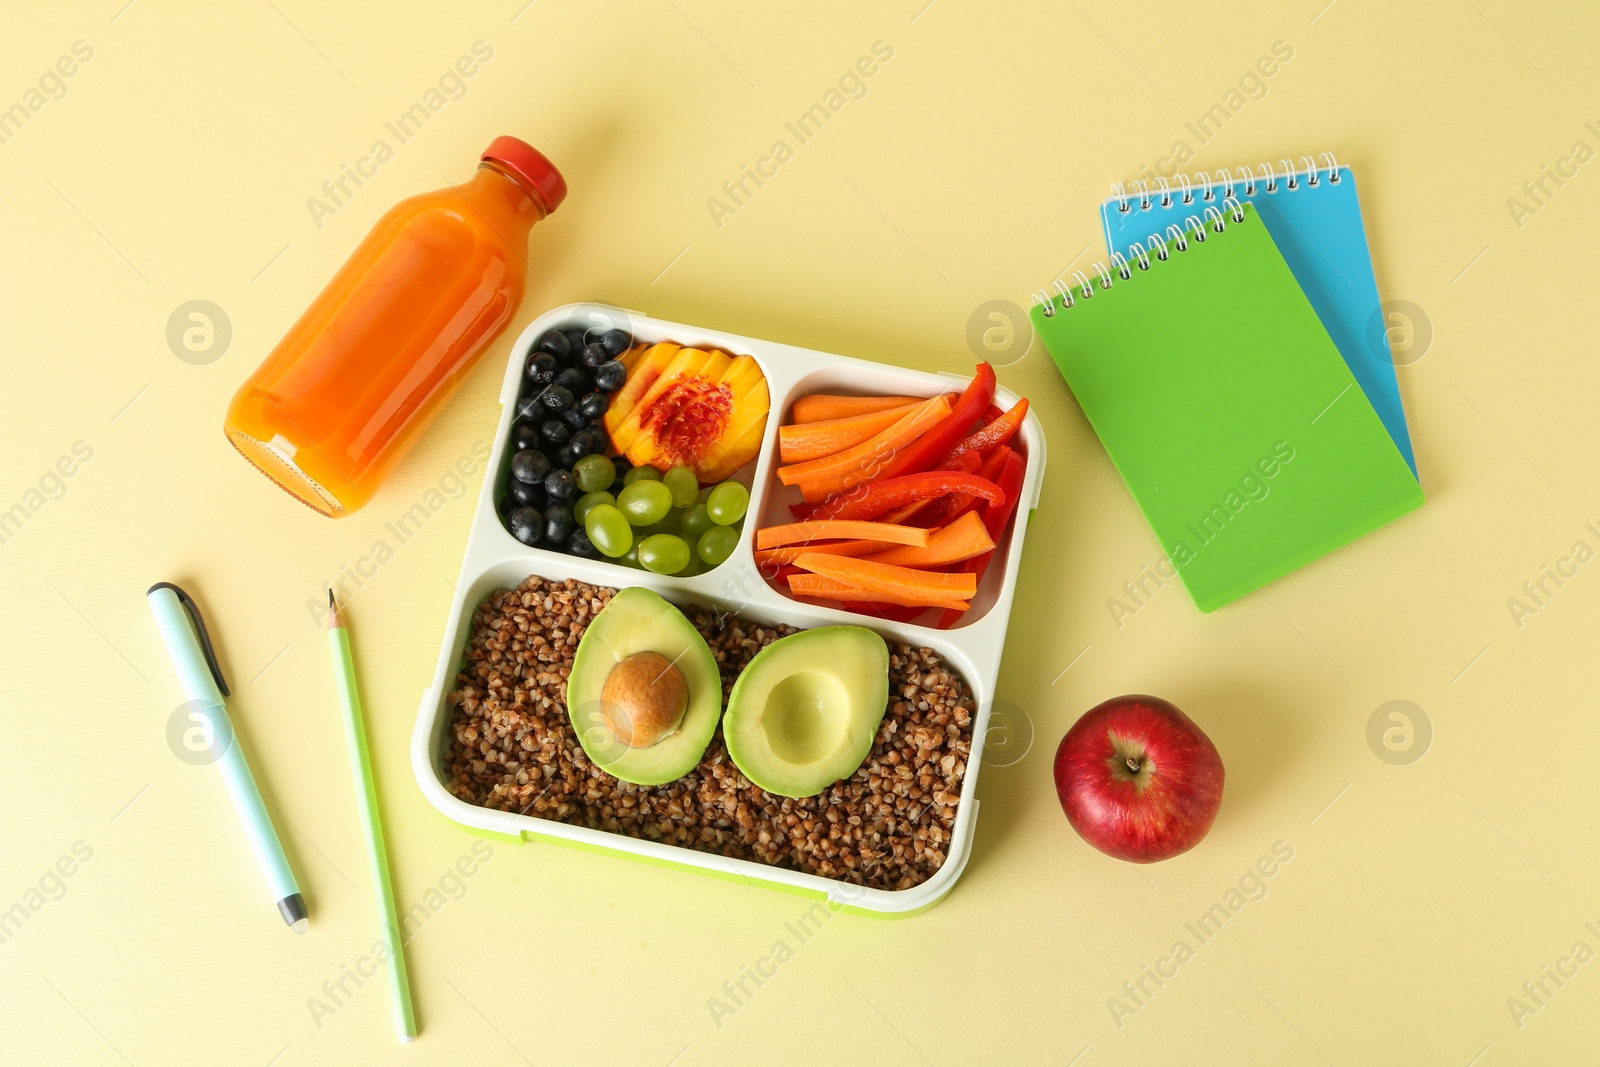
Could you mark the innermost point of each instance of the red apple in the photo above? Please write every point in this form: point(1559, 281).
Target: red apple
point(1138, 779)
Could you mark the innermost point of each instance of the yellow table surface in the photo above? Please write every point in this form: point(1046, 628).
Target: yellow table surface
point(176, 163)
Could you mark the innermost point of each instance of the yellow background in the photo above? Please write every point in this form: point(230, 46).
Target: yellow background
point(1419, 898)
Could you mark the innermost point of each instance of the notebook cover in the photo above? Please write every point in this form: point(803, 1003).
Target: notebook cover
point(1319, 231)
point(1228, 411)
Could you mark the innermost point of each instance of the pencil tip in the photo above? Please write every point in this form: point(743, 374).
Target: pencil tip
point(331, 605)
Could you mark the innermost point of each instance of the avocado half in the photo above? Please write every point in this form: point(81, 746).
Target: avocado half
point(805, 711)
point(638, 621)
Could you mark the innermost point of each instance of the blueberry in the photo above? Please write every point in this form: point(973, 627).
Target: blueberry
point(571, 452)
point(593, 405)
point(575, 341)
point(574, 418)
point(555, 431)
point(622, 467)
point(593, 440)
point(524, 434)
point(554, 342)
point(594, 354)
point(531, 407)
point(541, 368)
point(580, 545)
point(560, 486)
point(526, 525)
point(524, 495)
point(609, 377)
point(575, 381)
point(530, 466)
point(615, 343)
point(507, 505)
point(556, 398)
point(558, 523)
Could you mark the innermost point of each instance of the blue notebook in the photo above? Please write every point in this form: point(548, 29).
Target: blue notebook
point(1314, 217)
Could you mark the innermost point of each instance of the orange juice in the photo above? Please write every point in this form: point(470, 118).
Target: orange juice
point(349, 389)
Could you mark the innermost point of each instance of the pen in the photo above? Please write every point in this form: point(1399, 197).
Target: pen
point(344, 673)
point(183, 631)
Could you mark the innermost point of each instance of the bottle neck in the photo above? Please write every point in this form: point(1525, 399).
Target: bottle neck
point(502, 185)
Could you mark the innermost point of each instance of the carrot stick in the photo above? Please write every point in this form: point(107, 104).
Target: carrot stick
point(861, 462)
point(775, 556)
point(816, 585)
point(822, 407)
point(961, 540)
point(895, 585)
point(795, 532)
point(800, 442)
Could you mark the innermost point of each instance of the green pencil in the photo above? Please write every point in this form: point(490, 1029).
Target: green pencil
point(344, 673)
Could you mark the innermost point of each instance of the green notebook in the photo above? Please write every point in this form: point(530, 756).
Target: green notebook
point(1225, 406)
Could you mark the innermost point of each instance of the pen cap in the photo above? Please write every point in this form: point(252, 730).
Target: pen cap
point(188, 645)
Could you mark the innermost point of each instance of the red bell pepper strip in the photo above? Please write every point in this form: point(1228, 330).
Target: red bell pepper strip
point(998, 432)
point(958, 504)
point(887, 612)
point(966, 463)
point(927, 512)
point(871, 499)
point(777, 572)
point(929, 450)
point(995, 519)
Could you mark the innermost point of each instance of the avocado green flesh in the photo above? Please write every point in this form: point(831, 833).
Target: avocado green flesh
point(805, 711)
point(637, 620)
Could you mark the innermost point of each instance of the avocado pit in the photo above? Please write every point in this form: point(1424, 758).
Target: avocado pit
point(643, 699)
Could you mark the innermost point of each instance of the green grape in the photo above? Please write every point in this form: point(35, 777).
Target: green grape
point(645, 502)
point(727, 502)
point(631, 557)
point(684, 485)
point(664, 553)
point(696, 520)
point(594, 473)
point(641, 474)
point(694, 566)
point(670, 523)
point(717, 544)
point(609, 530)
point(580, 510)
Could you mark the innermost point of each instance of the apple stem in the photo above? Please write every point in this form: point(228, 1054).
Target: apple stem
point(1133, 764)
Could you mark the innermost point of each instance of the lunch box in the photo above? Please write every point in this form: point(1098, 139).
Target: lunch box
point(494, 560)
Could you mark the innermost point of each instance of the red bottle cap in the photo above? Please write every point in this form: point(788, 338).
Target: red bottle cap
point(529, 164)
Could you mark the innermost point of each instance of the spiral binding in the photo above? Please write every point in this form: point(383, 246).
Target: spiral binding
point(1160, 246)
point(1207, 187)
